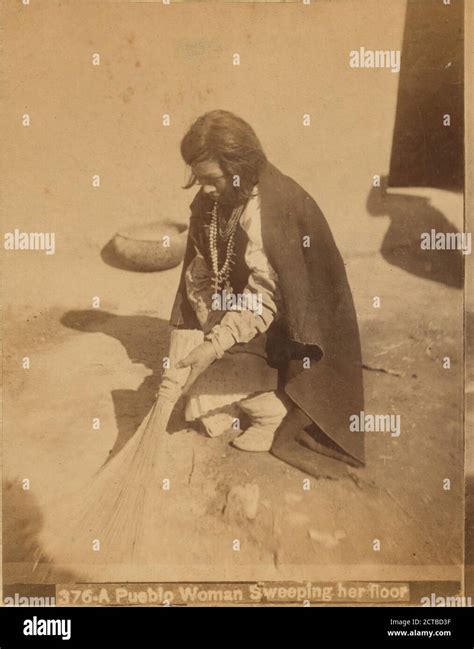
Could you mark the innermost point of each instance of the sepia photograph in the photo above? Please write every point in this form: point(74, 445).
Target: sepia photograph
point(237, 305)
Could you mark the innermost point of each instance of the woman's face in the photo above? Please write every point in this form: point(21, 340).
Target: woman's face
point(213, 181)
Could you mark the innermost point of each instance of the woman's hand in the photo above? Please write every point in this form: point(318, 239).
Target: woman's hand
point(198, 360)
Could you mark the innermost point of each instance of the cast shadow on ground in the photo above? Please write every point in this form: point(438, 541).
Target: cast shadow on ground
point(146, 341)
point(410, 216)
point(22, 550)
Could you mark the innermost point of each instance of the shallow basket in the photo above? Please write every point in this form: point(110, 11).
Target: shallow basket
point(151, 246)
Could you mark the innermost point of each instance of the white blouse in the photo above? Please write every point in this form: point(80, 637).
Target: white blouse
point(243, 323)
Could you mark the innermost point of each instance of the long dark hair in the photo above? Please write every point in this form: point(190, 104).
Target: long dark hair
point(222, 136)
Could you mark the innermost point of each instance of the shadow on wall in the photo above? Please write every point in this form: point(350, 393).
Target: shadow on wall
point(146, 341)
point(425, 151)
point(410, 217)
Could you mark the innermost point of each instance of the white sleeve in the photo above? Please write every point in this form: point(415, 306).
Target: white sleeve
point(255, 316)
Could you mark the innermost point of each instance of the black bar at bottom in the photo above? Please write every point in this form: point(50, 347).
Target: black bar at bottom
point(236, 628)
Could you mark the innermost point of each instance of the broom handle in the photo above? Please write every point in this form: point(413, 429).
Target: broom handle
point(182, 342)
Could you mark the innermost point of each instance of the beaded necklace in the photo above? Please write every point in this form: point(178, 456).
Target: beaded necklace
point(221, 275)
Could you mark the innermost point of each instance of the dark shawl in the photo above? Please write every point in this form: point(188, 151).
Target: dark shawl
point(319, 322)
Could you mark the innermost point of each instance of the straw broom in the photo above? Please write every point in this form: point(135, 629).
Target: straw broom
point(117, 507)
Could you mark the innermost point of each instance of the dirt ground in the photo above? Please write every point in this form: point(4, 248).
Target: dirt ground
point(106, 363)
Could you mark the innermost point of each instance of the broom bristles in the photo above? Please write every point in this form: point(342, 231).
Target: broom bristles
point(123, 499)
